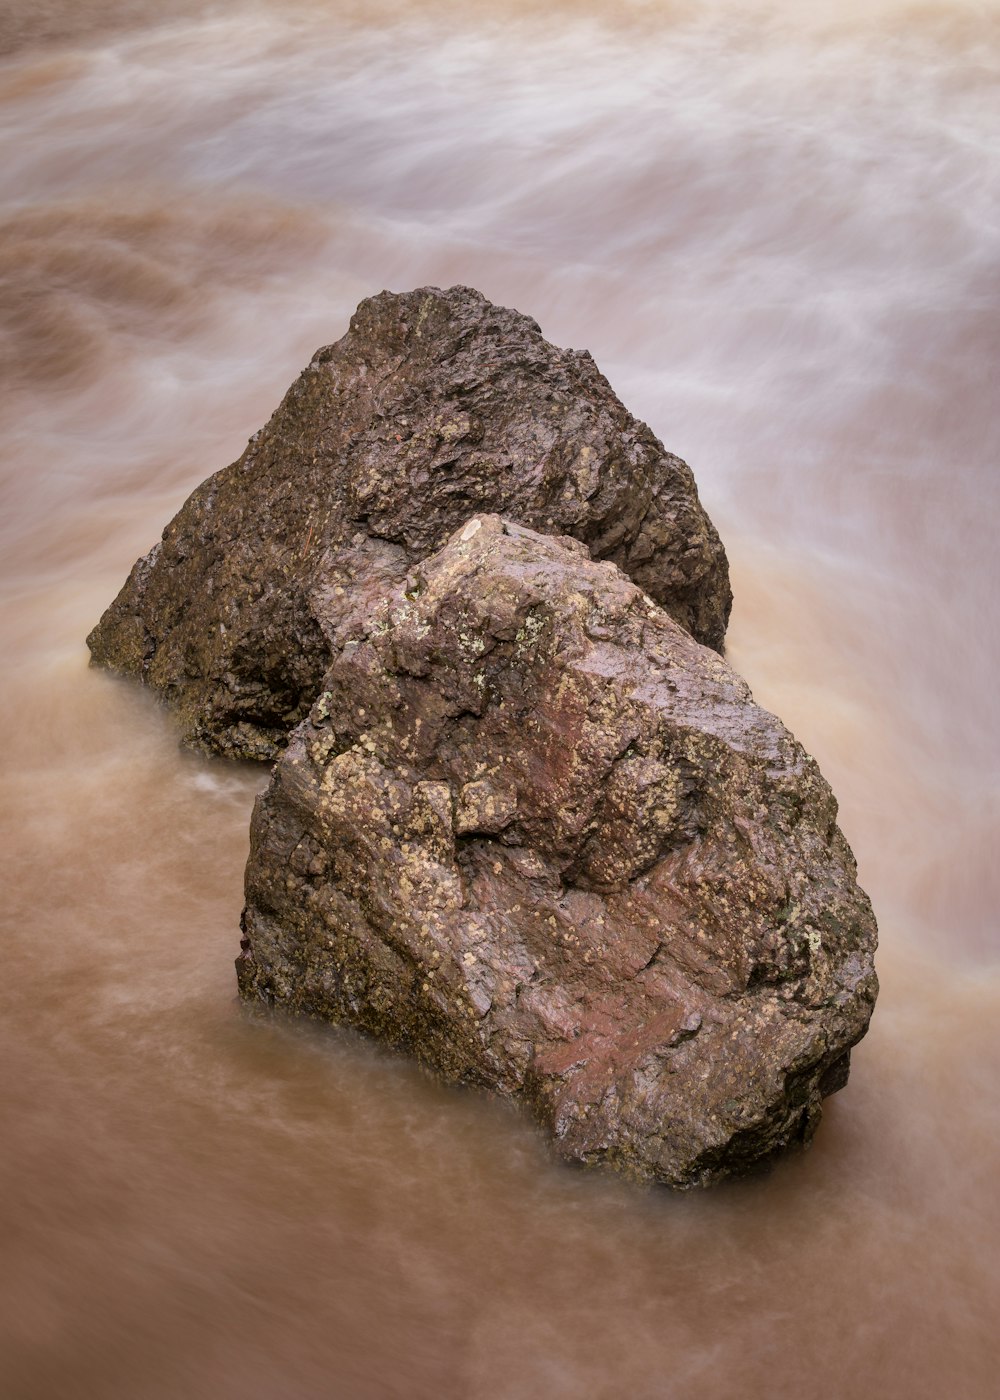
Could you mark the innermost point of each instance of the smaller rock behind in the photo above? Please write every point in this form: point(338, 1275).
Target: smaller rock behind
point(434, 405)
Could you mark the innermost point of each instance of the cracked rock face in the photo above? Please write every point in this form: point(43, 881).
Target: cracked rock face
point(435, 405)
point(536, 834)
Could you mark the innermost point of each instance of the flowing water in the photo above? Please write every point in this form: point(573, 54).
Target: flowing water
point(776, 226)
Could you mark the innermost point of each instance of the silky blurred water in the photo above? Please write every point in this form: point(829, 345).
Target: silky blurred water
point(777, 228)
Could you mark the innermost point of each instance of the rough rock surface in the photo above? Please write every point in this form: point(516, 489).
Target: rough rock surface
point(435, 405)
point(536, 834)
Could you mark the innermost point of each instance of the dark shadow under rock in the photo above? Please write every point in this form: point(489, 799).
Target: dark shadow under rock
point(435, 405)
point(537, 835)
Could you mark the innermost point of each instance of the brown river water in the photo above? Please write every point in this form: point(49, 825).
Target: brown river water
point(777, 228)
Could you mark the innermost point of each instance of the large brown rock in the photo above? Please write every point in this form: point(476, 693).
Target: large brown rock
point(435, 405)
point(534, 833)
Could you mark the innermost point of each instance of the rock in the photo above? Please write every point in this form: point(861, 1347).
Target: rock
point(537, 835)
point(435, 405)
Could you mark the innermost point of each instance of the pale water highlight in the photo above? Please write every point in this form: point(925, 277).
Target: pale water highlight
point(777, 229)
